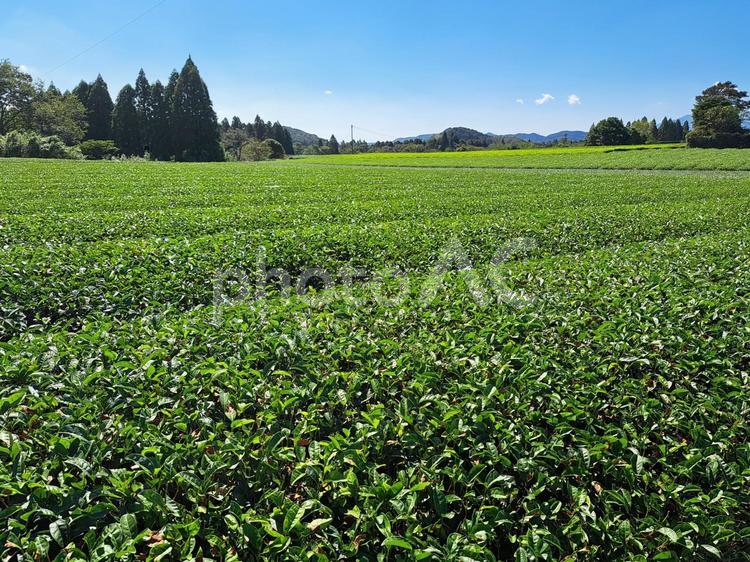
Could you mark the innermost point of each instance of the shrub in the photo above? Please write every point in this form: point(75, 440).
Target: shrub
point(718, 140)
point(32, 149)
point(31, 145)
point(98, 149)
point(15, 145)
point(275, 149)
point(255, 150)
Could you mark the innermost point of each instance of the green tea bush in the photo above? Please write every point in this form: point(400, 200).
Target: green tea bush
point(592, 406)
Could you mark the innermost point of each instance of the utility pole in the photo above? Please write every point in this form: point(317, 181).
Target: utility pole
point(352, 139)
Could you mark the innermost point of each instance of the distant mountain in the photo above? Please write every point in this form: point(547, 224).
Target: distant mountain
point(302, 137)
point(464, 135)
point(573, 136)
point(423, 138)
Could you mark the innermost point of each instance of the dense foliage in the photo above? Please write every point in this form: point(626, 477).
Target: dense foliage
point(32, 145)
point(612, 132)
point(235, 135)
point(718, 114)
point(177, 122)
point(602, 417)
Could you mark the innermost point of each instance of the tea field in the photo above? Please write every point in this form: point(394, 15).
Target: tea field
point(530, 364)
point(646, 157)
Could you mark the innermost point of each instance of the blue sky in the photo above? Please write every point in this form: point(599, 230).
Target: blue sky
point(399, 67)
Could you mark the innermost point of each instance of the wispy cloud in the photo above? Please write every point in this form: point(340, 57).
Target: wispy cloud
point(328, 92)
point(574, 100)
point(520, 100)
point(544, 99)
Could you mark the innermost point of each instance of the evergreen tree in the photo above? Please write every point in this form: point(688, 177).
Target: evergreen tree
point(663, 131)
point(653, 131)
point(159, 127)
point(125, 122)
point(237, 123)
point(99, 108)
point(143, 109)
point(277, 132)
point(259, 126)
point(171, 87)
point(53, 91)
point(288, 143)
point(685, 130)
point(224, 125)
point(333, 145)
point(195, 128)
point(169, 102)
point(443, 141)
point(720, 110)
point(82, 92)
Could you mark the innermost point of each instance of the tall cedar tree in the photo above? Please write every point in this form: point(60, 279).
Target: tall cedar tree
point(280, 134)
point(125, 126)
point(287, 143)
point(195, 126)
point(99, 108)
point(333, 145)
point(259, 128)
point(82, 92)
point(143, 109)
point(169, 101)
point(158, 124)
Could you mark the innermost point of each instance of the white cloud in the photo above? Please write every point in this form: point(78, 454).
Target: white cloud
point(544, 99)
point(328, 92)
point(520, 100)
point(574, 100)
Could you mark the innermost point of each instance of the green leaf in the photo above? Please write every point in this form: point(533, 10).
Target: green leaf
point(397, 542)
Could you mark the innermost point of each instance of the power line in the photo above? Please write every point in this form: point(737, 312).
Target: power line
point(376, 133)
point(108, 37)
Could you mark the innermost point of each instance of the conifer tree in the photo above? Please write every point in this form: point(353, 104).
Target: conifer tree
point(169, 90)
point(443, 141)
point(143, 109)
point(653, 131)
point(224, 125)
point(288, 143)
point(82, 92)
point(53, 91)
point(259, 127)
point(237, 123)
point(125, 122)
point(99, 108)
point(159, 127)
point(333, 144)
point(195, 128)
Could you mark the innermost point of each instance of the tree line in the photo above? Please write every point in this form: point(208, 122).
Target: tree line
point(172, 122)
point(252, 138)
point(175, 121)
point(719, 117)
point(612, 131)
